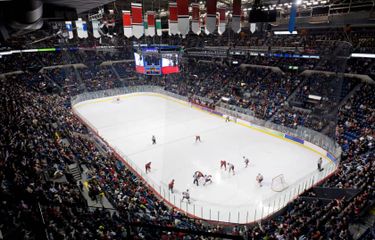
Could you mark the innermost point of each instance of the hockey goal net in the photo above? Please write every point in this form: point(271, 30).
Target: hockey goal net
point(278, 183)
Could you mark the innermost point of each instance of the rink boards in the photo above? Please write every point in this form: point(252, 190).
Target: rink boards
point(266, 201)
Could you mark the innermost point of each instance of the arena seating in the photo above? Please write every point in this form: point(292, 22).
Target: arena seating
point(40, 137)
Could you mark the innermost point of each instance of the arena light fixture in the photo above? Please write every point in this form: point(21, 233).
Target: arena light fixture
point(225, 99)
point(6, 53)
point(285, 33)
point(315, 97)
point(363, 55)
point(298, 2)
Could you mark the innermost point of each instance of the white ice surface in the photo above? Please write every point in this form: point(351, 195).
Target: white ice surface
point(129, 125)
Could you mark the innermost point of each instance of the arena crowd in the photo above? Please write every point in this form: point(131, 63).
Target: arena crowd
point(41, 137)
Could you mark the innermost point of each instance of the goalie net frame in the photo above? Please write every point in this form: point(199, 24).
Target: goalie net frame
point(278, 183)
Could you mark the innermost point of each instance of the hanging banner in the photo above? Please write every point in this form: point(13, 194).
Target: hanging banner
point(84, 29)
point(69, 28)
point(253, 27)
point(145, 25)
point(95, 28)
point(173, 23)
point(222, 20)
point(204, 24)
point(183, 16)
point(195, 23)
point(127, 24)
point(211, 16)
point(158, 27)
point(151, 23)
point(236, 16)
point(137, 21)
point(81, 28)
point(292, 18)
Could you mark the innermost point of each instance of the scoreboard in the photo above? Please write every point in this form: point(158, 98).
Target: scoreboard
point(156, 59)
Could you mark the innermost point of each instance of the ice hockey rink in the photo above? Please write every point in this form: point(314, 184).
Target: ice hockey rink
point(127, 126)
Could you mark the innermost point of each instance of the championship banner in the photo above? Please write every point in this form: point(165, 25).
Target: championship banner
point(151, 23)
point(69, 28)
point(81, 28)
point(292, 17)
point(222, 20)
point(253, 27)
point(242, 19)
point(127, 24)
point(137, 20)
point(95, 28)
point(84, 29)
point(211, 16)
point(204, 24)
point(158, 27)
point(173, 23)
point(236, 16)
point(145, 25)
point(195, 23)
point(183, 16)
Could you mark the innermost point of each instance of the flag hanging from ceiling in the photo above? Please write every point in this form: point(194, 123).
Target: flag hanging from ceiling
point(204, 24)
point(222, 20)
point(137, 21)
point(145, 25)
point(127, 23)
point(69, 28)
point(95, 28)
point(292, 17)
point(81, 28)
point(236, 16)
point(173, 28)
point(158, 27)
point(195, 24)
point(84, 29)
point(151, 23)
point(242, 19)
point(253, 27)
point(211, 16)
point(183, 16)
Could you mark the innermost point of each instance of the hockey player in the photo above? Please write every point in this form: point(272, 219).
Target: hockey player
point(231, 168)
point(320, 162)
point(259, 179)
point(148, 167)
point(153, 140)
point(186, 195)
point(223, 163)
point(197, 175)
point(197, 138)
point(207, 179)
point(227, 119)
point(171, 185)
point(246, 160)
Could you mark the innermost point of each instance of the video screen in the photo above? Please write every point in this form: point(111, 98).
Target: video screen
point(151, 60)
point(169, 63)
point(152, 64)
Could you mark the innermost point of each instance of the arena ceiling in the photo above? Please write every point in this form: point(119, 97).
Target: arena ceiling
point(91, 6)
point(147, 4)
point(79, 5)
